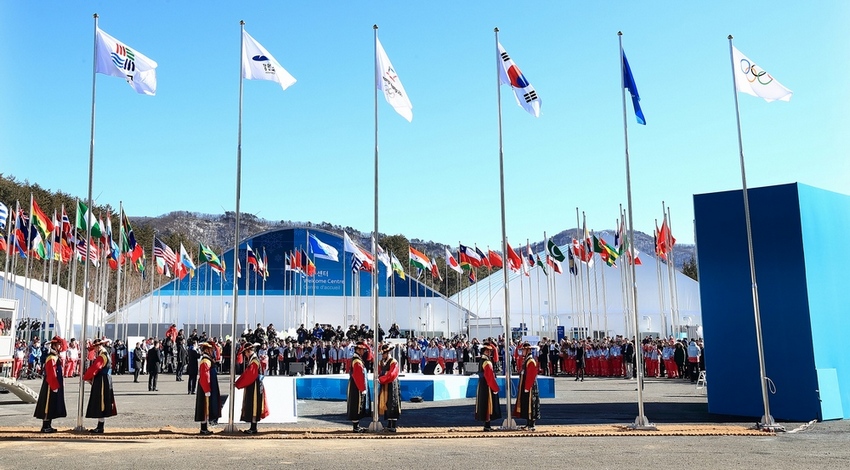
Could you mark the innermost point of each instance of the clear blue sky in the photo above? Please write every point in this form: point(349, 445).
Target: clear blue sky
point(308, 151)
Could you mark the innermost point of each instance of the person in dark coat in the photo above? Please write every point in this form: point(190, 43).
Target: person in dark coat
point(389, 395)
point(357, 399)
point(581, 359)
point(154, 359)
point(254, 406)
point(182, 356)
point(208, 402)
point(51, 398)
point(487, 406)
point(528, 396)
point(102, 399)
point(138, 360)
point(194, 358)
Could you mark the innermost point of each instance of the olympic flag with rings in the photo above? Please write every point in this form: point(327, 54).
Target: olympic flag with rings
point(753, 80)
point(509, 74)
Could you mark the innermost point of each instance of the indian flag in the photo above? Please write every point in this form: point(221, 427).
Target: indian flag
point(419, 260)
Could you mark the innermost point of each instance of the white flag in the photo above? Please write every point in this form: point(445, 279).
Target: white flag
point(389, 83)
point(509, 74)
point(258, 64)
point(117, 60)
point(4, 215)
point(753, 80)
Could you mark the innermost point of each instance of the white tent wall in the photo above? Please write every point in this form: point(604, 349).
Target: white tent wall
point(56, 310)
point(542, 313)
point(421, 314)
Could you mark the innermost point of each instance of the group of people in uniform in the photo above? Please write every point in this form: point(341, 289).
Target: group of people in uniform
point(209, 400)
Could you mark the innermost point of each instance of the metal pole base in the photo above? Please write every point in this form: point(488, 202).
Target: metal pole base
point(767, 424)
point(509, 424)
point(376, 426)
point(79, 429)
point(642, 424)
point(230, 429)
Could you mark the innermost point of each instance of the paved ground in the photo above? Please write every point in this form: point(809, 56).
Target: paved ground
point(155, 429)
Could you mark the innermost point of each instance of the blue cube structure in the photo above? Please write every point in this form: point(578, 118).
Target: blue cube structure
point(803, 289)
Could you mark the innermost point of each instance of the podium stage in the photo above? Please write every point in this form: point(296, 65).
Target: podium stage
point(429, 387)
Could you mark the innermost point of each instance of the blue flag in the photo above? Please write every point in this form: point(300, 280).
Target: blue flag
point(629, 84)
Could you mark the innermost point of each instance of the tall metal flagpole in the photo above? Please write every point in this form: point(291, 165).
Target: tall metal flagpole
point(83, 335)
point(767, 422)
point(641, 422)
point(376, 425)
point(231, 428)
point(509, 422)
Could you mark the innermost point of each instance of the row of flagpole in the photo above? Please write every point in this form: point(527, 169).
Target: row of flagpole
point(139, 71)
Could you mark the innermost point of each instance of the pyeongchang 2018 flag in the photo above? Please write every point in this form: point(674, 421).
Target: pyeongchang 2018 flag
point(510, 74)
point(116, 59)
point(753, 80)
point(258, 64)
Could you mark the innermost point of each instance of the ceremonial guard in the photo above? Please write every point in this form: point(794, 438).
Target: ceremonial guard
point(254, 407)
point(51, 399)
point(357, 400)
point(101, 400)
point(389, 395)
point(487, 395)
point(528, 396)
point(208, 402)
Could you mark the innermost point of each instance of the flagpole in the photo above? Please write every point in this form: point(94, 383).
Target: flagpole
point(83, 336)
point(767, 423)
point(509, 422)
point(641, 422)
point(231, 428)
point(376, 425)
point(674, 289)
point(660, 281)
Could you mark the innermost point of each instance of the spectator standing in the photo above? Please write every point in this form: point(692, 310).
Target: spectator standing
point(154, 359)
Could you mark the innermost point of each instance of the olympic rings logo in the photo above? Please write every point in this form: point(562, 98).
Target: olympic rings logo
point(753, 73)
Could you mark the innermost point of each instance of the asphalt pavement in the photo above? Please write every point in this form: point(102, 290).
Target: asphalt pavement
point(595, 402)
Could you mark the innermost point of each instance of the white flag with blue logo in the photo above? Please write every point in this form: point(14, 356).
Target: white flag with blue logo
point(323, 250)
point(116, 59)
point(258, 64)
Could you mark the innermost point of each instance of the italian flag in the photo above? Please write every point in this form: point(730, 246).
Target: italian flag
point(419, 260)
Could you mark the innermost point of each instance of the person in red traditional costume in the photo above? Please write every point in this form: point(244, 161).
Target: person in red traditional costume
point(357, 399)
point(527, 404)
point(208, 401)
point(487, 406)
point(389, 395)
point(51, 398)
point(101, 400)
point(254, 406)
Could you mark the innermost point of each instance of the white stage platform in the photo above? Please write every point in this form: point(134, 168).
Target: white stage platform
point(280, 396)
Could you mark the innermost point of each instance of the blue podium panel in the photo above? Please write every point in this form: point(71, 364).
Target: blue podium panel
point(429, 387)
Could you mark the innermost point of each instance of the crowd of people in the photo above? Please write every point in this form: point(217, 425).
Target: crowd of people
point(324, 350)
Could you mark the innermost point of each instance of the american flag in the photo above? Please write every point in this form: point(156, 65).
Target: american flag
point(161, 250)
